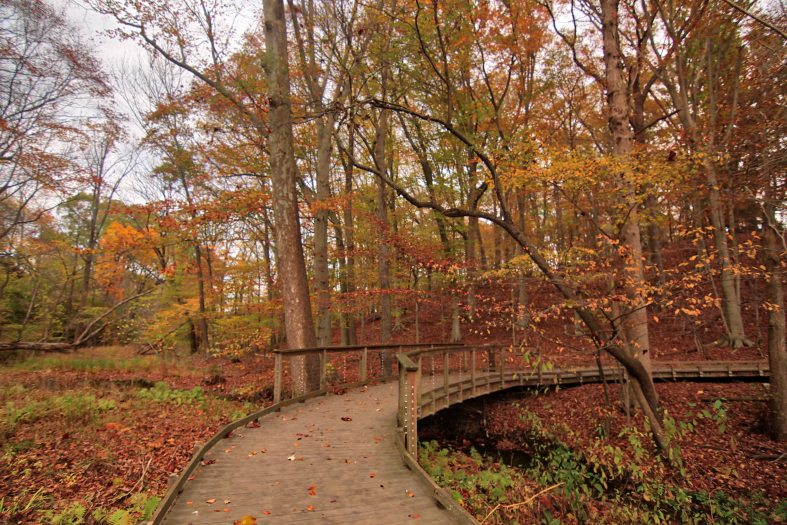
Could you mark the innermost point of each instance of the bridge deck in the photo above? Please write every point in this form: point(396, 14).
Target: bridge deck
point(334, 459)
point(352, 468)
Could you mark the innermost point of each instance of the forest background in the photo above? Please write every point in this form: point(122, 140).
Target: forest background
point(586, 178)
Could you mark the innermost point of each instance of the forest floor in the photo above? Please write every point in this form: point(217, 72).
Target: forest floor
point(92, 436)
point(570, 457)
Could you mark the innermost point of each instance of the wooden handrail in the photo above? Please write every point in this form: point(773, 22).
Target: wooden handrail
point(462, 380)
point(323, 352)
point(355, 348)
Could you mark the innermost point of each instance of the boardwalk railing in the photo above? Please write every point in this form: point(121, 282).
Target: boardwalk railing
point(343, 366)
point(431, 379)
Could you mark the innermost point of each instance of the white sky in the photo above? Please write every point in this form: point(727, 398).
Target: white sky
point(92, 25)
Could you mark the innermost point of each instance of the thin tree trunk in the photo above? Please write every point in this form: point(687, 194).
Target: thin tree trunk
point(321, 280)
point(349, 234)
point(736, 336)
point(773, 242)
point(384, 255)
point(202, 320)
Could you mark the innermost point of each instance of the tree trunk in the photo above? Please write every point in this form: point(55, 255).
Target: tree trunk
point(731, 306)
point(349, 238)
point(636, 316)
point(384, 261)
point(298, 321)
point(202, 321)
point(456, 327)
point(321, 280)
point(773, 242)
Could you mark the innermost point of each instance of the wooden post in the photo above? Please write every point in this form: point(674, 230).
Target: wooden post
point(364, 362)
point(277, 379)
point(418, 389)
point(490, 359)
point(412, 413)
point(462, 368)
point(446, 371)
point(472, 370)
point(323, 369)
point(402, 416)
point(502, 365)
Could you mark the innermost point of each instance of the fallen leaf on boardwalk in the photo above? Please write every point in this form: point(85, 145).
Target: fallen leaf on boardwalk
point(225, 509)
point(310, 508)
point(253, 424)
point(346, 418)
point(227, 502)
point(410, 493)
point(291, 458)
point(246, 520)
point(206, 462)
point(414, 515)
point(210, 501)
point(266, 512)
point(372, 474)
point(378, 439)
point(263, 450)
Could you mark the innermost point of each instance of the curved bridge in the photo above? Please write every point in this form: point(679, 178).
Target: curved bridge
point(350, 457)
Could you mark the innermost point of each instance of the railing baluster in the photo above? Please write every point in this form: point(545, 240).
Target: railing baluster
point(277, 378)
point(502, 365)
point(364, 363)
point(323, 369)
point(412, 416)
point(446, 371)
point(472, 370)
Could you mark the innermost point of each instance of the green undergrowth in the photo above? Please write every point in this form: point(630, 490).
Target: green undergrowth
point(162, 393)
point(138, 507)
point(87, 363)
point(551, 483)
point(73, 407)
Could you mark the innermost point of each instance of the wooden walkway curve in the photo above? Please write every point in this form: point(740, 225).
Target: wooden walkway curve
point(332, 459)
point(350, 457)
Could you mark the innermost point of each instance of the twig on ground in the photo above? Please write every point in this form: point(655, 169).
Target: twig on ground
point(521, 504)
point(139, 483)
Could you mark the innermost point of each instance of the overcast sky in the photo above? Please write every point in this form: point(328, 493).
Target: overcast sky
point(92, 25)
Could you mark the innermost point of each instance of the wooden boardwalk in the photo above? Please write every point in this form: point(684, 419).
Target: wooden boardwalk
point(306, 464)
point(337, 458)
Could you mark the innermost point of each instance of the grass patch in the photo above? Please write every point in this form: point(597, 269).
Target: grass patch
point(85, 363)
point(73, 407)
point(162, 393)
